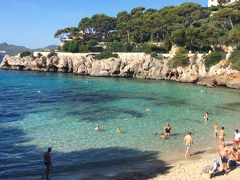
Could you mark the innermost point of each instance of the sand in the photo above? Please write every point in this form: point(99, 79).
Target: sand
point(192, 169)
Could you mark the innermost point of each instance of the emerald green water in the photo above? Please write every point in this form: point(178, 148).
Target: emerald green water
point(39, 110)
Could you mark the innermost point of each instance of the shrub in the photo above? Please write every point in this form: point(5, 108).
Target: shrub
point(96, 49)
point(181, 58)
point(235, 59)
point(39, 55)
point(83, 48)
point(24, 54)
point(51, 54)
point(214, 58)
point(105, 55)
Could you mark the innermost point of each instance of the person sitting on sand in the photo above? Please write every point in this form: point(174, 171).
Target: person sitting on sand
point(188, 141)
point(224, 155)
point(163, 136)
point(206, 116)
point(215, 168)
point(167, 129)
point(118, 131)
point(97, 128)
point(48, 162)
point(215, 130)
point(236, 139)
point(221, 135)
point(234, 158)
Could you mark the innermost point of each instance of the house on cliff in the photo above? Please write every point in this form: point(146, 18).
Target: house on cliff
point(224, 2)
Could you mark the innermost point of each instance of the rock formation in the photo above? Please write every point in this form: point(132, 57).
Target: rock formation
point(138, 65)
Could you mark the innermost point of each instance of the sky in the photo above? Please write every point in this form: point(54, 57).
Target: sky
point(32, 23)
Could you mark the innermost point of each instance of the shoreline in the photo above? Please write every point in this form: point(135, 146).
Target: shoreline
point(129, 65)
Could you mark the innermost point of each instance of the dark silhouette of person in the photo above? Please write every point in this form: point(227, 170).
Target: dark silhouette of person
point(47, 162)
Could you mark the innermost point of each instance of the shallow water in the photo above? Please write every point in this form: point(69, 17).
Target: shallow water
point(38, 110)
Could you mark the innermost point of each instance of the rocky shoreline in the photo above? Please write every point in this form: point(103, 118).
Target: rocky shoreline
point(137, 65)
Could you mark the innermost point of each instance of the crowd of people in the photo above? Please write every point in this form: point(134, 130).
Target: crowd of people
point(228, 158)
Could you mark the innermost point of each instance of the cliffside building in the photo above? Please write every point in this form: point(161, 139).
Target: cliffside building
point(215, 2)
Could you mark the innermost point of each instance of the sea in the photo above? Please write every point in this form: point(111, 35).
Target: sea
point(41, 110)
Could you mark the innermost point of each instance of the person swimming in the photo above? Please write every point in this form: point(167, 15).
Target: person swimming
point(147, 109)
point(163, 136)
point(118, 131)
point(97, 128)
point(167, 129)
point(206, 116)
point(216, 130)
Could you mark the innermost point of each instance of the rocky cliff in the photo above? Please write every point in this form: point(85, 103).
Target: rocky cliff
point(138, 65)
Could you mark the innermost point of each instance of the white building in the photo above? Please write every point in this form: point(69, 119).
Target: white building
point(215, 2)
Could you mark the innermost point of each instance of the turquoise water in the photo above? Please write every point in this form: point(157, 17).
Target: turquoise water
point(39, 110)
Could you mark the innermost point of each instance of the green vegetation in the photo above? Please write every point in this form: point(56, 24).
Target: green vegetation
point(188, 25)
point(214, 58)
point(105, 55)
point(24, 54)
point(235, 59)
point(51, 54)
point(181, 58)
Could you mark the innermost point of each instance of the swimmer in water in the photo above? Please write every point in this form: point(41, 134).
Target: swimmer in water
point(147, 109)
point(163, 136)
point(97, 128)
point(167, 129)
point(215, 130)
point(118, 131)
point(206, 117)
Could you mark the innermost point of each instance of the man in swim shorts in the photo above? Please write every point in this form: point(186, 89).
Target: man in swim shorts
point(188, 142)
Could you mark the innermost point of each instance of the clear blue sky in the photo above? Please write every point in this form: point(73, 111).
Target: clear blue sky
point(32, 23)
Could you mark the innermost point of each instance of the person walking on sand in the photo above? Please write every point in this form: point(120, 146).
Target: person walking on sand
point(215, 130)
point(48, 162)
point(167, 129)
point(188, 142)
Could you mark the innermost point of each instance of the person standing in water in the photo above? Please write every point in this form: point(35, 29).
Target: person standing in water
point(97, 128)
point(206, 117)
point(221, 135)
point(48, 162)
point(167, 129)
point(215, 130)
point(188, 142)
point(118, 131)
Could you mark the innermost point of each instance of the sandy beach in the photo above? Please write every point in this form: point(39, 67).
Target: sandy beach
point(192, 169)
